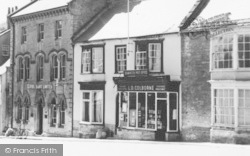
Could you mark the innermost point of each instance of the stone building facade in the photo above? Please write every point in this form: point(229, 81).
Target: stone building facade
point(42, 56)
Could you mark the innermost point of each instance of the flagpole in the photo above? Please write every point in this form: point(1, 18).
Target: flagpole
point(128, 27)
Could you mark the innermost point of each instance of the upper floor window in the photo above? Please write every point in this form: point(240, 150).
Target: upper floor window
point(58, 67)
point(40, 32)
point(149, 56)
point(244, 50)
point(23, 35)
point(54, 72)
point(62, 66)
point(27, 68)
point(223, 52)
point(120, 59)
point(40, 66)
point(20, 69)
point(58, 29)
point(92, 60)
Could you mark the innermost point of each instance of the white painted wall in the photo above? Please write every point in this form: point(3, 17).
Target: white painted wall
point(171, 62)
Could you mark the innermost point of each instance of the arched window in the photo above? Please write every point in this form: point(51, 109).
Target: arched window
point(53, 112)
point(20, 69)
point(26, 110)
point(40, 66)
point(54, 70)
point(62, 66)
point(19, 110)
point(27, 68)
point(62, 113)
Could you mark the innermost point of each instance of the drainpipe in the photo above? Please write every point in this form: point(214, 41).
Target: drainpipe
point(72, 124)
point(13, 69)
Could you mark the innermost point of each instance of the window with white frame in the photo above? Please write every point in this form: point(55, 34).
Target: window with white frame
point(149, 56)
point(223, 52)
point(154, 50)
point(148, 110)
point(40, 32)
point(224, 107)
point(92, 60)
point(92, 106)
point(120, 59)
point(244, 50)
point(244, 107)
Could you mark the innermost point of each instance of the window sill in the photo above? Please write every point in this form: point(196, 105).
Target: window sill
point(89, 123)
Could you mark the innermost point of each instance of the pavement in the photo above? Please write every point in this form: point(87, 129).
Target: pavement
point(103, 147)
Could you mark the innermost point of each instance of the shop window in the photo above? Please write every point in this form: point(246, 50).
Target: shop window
point(244, 50)
point(222, 52)
point(141, 110)
point(224, 107)
point(62, 114)
point(173, 112)
point(40, 66)
point(58, 29)
point(20, 69)
point(120, 59)
point(23, 35)
point(151, 115)
point(40, 32)
point(149, 56)
point(92, 60)
point(132, 109)
point(92, 107)
point(244, 107)
point(27, 68)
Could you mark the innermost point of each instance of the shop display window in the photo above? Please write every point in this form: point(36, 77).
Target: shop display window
point(151, 111)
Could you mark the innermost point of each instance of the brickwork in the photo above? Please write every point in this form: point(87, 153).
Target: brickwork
point(196, 103)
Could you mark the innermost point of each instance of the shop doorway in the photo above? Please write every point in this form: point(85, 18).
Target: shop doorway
point(40, 117)
point(161, 120)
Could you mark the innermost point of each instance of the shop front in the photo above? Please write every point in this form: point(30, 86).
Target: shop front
point(147, 107)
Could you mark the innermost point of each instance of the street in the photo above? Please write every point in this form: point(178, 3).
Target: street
point(94, 147)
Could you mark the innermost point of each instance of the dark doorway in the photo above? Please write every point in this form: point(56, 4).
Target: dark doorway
point(40, 117)
point(161, 120)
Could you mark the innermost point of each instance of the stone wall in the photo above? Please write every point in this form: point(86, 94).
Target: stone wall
point(196, 100)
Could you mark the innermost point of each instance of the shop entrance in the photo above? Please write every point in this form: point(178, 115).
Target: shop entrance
point(40, 117)
point(161, 120)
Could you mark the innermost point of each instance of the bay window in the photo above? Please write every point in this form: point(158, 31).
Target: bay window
point(149, 56)
point(231, 51)
point(92, 60)
point(92, 106)
point(244, 50)
point(231, 107)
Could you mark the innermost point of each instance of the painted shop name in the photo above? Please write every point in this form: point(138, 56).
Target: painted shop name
point(34, 86)
point(138, 88)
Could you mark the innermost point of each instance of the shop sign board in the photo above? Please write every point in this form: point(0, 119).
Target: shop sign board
point(143, 87)
point(135, 73)
point(41, 86)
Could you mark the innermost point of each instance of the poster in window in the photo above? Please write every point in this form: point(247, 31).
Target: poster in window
point(124, 107)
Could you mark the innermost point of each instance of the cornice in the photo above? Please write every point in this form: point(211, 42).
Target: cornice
point(42, 14)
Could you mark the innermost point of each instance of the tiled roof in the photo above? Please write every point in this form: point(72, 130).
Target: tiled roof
point(146, 18)
point(42, 5)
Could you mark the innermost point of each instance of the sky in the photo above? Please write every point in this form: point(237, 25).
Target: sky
point(10, 3)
